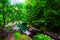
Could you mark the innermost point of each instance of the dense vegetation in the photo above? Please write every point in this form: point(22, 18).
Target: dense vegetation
point(39, 13)
point(42, 37)
point(42, 11)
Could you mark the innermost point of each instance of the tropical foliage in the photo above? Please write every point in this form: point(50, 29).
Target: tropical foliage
point(45, 11)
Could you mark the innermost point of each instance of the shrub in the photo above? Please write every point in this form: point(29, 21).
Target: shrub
point(42, 37)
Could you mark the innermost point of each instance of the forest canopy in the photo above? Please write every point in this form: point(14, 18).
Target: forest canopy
point(41, 11)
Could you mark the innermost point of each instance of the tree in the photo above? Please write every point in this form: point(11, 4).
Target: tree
point(41, 11)
point(49, 14)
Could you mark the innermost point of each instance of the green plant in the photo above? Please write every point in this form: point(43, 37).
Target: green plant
point(32, 10)
point(19, 36)
point(42, 37)
point(9, 27)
